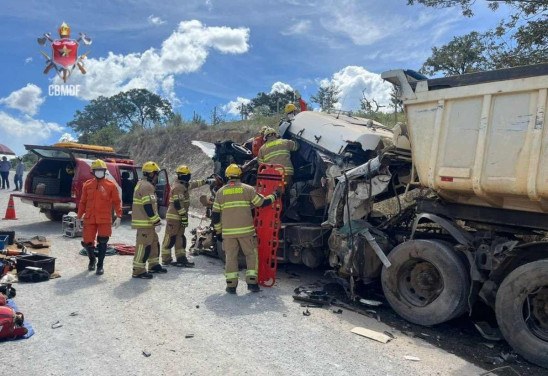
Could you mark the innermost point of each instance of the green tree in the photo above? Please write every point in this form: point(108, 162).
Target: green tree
point(520, 39)
point(464, 54)
point(126, 111)
point(327, 96)
point(106, 136)
point(216, 117)
point(274, 102)
point(140, 108)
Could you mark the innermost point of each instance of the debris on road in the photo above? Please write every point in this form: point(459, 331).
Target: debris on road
point(146, 353)
point(487, 331)
point(189, 336)
point(306, 313)
point(338, 311)
point(364, 332)
point(412, 358)
point(73, 314)
point(56, 325)
point(374, 303)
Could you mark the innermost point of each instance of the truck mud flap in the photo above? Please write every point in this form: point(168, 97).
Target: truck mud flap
point(268, 224)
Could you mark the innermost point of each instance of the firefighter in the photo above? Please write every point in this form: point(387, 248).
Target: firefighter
point(278, 151)
point(99, 199)
point(145, 219)
point(233, 224)
point(258, 141)
point(177, 217)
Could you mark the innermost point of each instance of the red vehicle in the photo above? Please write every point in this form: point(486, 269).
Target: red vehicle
point(54, 183)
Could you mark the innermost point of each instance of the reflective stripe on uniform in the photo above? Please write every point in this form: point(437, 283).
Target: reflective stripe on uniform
point(173, 216)
point(239, 230)
point(232, 275)
point(235, 204)
point(250, 273)
point(216, 206)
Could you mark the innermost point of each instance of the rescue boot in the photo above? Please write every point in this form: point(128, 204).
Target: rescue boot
point(145, 275)
point(92, 258)
point(230, 290)
point(183, 262)
point(158, 269)
point(102, 248)
point(253, 287)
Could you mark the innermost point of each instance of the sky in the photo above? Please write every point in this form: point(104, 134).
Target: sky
point(202, 54)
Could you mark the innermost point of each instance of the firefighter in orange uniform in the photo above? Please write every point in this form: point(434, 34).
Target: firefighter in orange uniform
point(100, 197)
point(233, 224)
point(145, 218)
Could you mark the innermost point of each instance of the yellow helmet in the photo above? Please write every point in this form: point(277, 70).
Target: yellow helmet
point(98, 165)
point(183, 170)
point(290, 107)
point(233, 171)
point(269, 132)
point(263, 128)
point(150, 167)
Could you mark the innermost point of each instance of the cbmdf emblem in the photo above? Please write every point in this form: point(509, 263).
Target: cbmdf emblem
point(64, 52)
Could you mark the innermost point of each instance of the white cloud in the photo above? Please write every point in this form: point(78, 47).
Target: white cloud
point(67, 137)
point(233, 107)
point(280, 87)
point(300, 27)
point(155, 20)
point(353, 81)
point(184, 51)
point(27, 99)
point(25, 130)
point(28, 60)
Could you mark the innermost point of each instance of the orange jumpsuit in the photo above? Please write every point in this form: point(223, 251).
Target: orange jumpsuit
point(99, 198)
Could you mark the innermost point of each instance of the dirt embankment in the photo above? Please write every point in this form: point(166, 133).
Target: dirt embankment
point(171, 147)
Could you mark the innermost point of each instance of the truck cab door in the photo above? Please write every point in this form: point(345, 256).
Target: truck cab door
point(162, 192)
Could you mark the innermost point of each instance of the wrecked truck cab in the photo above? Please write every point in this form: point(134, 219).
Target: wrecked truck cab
point(331, 145)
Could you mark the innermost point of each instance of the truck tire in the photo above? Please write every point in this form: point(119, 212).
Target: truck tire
point(428, 282)
point(521, 307)
point(54, 215)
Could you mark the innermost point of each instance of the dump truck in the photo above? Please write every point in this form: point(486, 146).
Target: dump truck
point(479, 143)
point(468, 175)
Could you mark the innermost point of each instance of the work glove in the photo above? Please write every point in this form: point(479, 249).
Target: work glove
point(184, 220)
point(277, 193)
point(158, 226)
point(117, 222)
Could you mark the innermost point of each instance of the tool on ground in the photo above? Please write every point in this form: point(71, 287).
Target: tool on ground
point(267, 222)
point(10, 210)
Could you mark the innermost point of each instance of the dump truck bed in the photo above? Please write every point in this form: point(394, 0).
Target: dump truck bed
point(481, 139)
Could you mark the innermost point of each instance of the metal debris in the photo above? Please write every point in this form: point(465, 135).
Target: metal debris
point(146, 353)
point(306, 313)
point(389, 334)
point(189, 336)
point(487, 331)
point(338, 311)
point(73, 314)
point(56, 325)
point(364, 332)
point(488, 345)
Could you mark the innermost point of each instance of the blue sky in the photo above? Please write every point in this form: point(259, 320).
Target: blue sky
point(206, 53)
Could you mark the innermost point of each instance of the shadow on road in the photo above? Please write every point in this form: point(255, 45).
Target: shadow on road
point(245, 303)
point(83, 280)
point(131, 288)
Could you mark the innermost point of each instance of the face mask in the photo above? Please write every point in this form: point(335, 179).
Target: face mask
point(99, 174)
point(291, 116)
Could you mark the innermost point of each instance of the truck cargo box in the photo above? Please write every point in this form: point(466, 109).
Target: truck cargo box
point(481, 138)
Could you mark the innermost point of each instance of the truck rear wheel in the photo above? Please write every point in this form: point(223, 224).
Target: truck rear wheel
point(522, 311)
point(427, 283)
point(54, 215)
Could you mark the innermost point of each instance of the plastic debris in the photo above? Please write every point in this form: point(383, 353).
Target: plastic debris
point(146, 353)
point(189, 336)
point(306, 313)
point(56, 325)
point(371, 334)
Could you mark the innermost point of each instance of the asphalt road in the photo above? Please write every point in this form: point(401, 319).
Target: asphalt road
point(109, 321)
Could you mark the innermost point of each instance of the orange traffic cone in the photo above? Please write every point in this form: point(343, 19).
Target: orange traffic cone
point(10, 211)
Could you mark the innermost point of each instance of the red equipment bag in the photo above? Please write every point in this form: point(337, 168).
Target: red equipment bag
point(267, 222)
